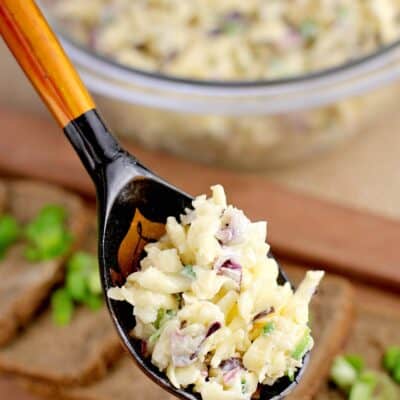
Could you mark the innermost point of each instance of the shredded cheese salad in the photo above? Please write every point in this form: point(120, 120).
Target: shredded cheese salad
point(230, 39)
point(208, 306)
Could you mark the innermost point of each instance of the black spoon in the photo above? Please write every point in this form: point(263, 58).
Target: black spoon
point(133, 203)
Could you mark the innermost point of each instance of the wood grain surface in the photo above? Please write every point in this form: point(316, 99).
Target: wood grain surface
point(347, 241)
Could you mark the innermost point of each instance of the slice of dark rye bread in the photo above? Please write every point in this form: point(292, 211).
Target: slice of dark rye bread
point(123, 382)
point(70, 355)
point(374, 330)
point(24, 285)
point(331, 312)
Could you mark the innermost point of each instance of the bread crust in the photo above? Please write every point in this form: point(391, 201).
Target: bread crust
point(124, 382)
point(72, 355)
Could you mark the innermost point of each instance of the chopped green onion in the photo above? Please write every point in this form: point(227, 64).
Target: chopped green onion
point(302, 346)
point(83, 262)
point(47, 235)
point(83, 281)
point(385, 389)
point(52, 214)
point(290, 375)
point(361, 391)
point(154, 337)
point(396, 373)
point(343, 373)
point(76, 286)
point(243, 384)
point(268, 328)
point(171, 313)
point(82, 284)
point(160, 318)
point(369, 377)
point(94, 283)
point(94, 302)
point(355, 361)
point(308, 29)
point(187, 271)
point(347, 373)
point(364, 387)
point(9, 233)
point(62, 307)
point(391, 358)
point(391, 362)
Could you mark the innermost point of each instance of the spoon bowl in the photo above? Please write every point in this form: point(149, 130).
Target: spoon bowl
point(135, 214)
point(136, 210)
point(133, 202)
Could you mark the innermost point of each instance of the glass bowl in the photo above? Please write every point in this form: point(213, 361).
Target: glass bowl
point(251, 125)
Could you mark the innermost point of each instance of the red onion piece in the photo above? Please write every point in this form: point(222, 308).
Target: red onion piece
point(213, 328)
point(230, 364)
point(230, 368)
point(233, 227)
point(184, 348)
point(229, 376)
point(264, 313)
point(230, 268)
point(143, 348)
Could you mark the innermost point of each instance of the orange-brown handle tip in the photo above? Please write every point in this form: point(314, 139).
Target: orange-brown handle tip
point(43, 60)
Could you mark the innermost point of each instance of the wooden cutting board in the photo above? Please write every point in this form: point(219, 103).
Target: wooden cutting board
point(347, 241)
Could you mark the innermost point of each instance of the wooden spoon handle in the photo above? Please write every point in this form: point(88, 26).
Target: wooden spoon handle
point(43, 60)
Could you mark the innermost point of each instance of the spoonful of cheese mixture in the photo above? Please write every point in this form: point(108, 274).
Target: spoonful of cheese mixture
point(209, 308)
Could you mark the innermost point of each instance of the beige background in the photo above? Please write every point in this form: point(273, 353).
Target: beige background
point(364, 172)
